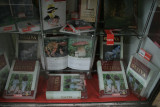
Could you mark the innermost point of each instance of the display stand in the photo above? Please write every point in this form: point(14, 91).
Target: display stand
point(145, 14)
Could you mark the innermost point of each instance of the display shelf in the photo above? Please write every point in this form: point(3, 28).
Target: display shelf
point(93, 95)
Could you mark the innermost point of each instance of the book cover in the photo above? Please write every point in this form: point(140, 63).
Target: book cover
point(111, 52)
point(4, 71)
point(66, 86)
point(73, 52)
point(22, 80)
point(112, 80)
point(27, 47)
point(120, 14)
point(54, 13)
point(140, 74)
point(88, 10)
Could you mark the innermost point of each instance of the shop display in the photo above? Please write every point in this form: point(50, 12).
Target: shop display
point(140, 74)
point(73, 52)
point(88, 10)
point(4, 71)
point(64, 35)
point(77, 27)
point(24, 73)
point(66, 86)
point(54, 13)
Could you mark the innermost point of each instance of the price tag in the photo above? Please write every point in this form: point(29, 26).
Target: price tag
point(110, 37)
point(145, 54)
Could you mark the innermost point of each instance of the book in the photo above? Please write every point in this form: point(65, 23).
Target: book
point(24, 73)
point(140, 74)
point(53, 13)
point(88, 9)
point(27, 47)
point(66, 86)
point(111, 52)
point(77, 27)
point(28, 26)
point(73, 52)
point(120, 14)
point(4, 71)
point(22, 81)
point(112, 79)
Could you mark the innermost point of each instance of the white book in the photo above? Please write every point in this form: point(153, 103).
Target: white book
point(66, 86)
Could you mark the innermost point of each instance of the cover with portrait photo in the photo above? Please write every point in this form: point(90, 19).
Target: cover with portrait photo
point(140, 74)
point(22, 80)
point(73, 52)
point(66, 86)
point(112, 79)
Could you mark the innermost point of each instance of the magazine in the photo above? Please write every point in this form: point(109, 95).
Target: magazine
point(54, 13)
point(73, 52)
point(88, 9)
point(112, 79)
point(66, 86)
point(4, 71)
point(140, 74)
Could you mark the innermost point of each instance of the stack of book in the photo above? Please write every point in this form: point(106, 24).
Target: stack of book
point(24, 73)
point(111, 73)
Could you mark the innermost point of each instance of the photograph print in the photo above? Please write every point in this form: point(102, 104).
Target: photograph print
point(20, 84)
point(134, 84)
point(27, 51)
point(80, 47)
point(73, 83)
point(114, 84)
point(55, 47)
point(111, 52)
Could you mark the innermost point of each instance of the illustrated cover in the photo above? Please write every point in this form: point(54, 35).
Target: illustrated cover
point(120, 14)
point(66, 86)
point(111, 52)
point(73, 52)
point(140, 74)
point(112, 80)
point(88, 10)
point(54, 13)
point(28, 26)
point(4, 71)
point(27, 47)
point(22, 81)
